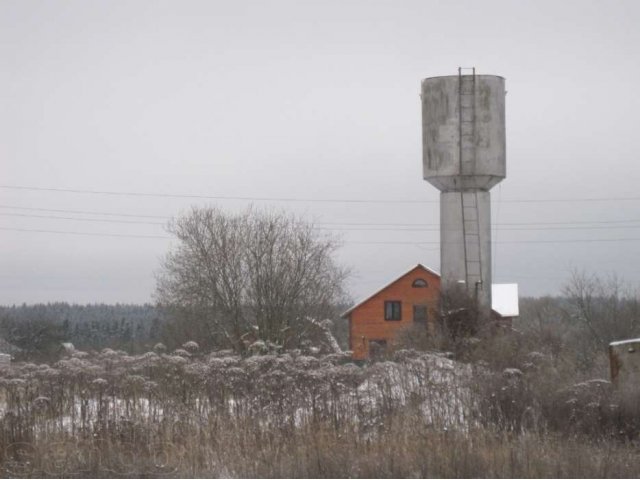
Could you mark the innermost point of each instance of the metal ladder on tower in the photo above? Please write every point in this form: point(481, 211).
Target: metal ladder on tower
point(469, 199)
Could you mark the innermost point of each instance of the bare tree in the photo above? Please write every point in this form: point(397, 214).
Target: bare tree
point(544, 322)
point(604, 308)
point(250, 276)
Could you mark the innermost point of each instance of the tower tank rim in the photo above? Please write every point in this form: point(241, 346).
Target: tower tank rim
point(464, 75)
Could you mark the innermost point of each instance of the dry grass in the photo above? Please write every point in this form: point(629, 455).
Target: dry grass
point(180, 415)
point(405, 447)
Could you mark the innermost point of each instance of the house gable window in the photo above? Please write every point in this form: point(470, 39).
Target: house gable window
point(419, 283)
point(393, 310)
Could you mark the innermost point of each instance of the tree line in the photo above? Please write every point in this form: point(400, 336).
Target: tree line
point(39, 330)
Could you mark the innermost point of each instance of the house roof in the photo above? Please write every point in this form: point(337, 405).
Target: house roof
point(357, 304)
point(504, 299)
point(504, 296)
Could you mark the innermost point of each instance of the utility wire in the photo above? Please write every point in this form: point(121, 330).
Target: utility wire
point(86, 212)
point(578, 240)
point(300, 199)
point(338, 224)
point(102, 220)
point(517, 229)
point(338, 228)
point(213, 197)
point(87, 234)
point(494, 246)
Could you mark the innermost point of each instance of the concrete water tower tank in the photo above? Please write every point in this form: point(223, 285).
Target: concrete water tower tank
point(463, 141)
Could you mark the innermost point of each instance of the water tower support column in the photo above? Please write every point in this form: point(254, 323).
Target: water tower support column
point(468, 239)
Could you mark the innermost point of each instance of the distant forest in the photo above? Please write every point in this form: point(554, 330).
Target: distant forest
point(40, 329)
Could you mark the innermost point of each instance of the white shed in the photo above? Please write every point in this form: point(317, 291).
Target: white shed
point(504, 299)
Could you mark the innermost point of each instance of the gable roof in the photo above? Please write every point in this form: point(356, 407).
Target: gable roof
point(504, 296)
point(407, 272)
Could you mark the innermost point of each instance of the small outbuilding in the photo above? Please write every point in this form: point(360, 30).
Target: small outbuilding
point(624, 361)
point(504, 302)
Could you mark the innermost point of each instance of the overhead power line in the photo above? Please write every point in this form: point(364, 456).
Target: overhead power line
point(300, 199)
point(336, 224)
point(339, 228)
point(79, 219)
point(384, 242)
point(84, 234)
point(212, 197)
point(84, 212)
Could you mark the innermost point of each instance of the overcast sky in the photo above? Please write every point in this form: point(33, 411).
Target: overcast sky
point(306, 100)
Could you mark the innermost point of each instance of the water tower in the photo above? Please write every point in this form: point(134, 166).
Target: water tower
point(463, 142)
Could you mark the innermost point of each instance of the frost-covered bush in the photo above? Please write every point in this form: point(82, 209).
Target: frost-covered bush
point(290, 390)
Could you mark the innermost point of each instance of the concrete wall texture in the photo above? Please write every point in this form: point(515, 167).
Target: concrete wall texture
point(464, 156)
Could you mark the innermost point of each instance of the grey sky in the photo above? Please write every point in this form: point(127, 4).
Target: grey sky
point(306, 100)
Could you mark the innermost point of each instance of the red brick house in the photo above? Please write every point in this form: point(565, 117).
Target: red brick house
point(410, 298)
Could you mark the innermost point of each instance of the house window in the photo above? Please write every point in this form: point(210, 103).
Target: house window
point(419, 283)
point(420, 313)
point(392, 310)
